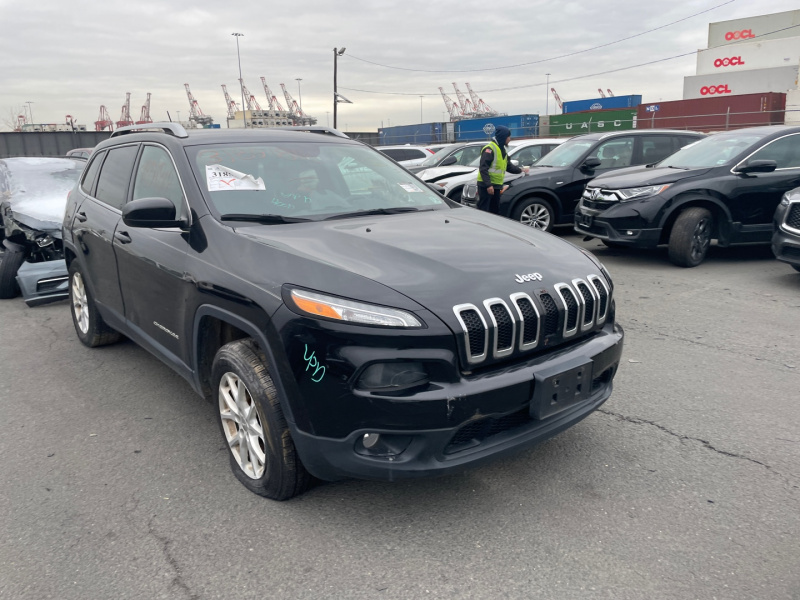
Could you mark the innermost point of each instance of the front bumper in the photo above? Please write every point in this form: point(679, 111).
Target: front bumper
point(43, 282)
point(623, 231)
point(482, 435)
point(786, 247)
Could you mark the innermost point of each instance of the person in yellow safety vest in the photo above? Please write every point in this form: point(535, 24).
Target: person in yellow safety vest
point(492, 170)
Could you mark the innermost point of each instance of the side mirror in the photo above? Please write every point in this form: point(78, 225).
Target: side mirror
point(450, 160)
point(591, 163)
point(758, 166)
point(151, 212)
point(515, 162)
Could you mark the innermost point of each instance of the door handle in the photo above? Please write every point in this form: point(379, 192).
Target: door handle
point(81, 216)
point(122, 237)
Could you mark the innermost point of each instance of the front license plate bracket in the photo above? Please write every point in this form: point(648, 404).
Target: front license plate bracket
point(559, 388)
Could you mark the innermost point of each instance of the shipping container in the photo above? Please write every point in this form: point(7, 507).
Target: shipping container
point(589, 122)
point(602, 104)
point(521, 126)
point(744, 57)
point(717, 113)
point(767, 27)
point(419, 134)
point(779, 79)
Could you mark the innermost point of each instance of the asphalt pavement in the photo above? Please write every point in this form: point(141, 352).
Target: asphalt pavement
point(115, 483)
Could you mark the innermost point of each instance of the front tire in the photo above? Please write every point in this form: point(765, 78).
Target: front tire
point(535, 212)
point(89, 325)
point(690, 237)
point(10, 262)
point(261, 451)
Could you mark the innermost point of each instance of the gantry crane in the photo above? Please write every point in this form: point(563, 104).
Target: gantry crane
point(103, 120)
point(294, 109)
point(610, 93)
point(466, 105)
point(232, 106)
point(125, 117)
point(453, 109)
point(602, 93)
point(558, 98)
point(144, 117)
point(481, 107)
point(195, 112)
point(252, 103)
point(274, 105)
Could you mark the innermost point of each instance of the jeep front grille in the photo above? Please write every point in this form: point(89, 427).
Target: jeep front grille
point(500, 327)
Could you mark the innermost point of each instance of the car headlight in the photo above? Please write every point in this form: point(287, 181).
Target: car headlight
point(639, 192)
point(339, 309)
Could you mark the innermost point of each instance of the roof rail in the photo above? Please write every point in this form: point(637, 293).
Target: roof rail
point(315, 129)
point(174, 129)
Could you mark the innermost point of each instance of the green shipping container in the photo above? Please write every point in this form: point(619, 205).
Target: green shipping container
point(592, 121)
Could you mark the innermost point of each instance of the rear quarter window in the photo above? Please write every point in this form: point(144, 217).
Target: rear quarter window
point(90, 175)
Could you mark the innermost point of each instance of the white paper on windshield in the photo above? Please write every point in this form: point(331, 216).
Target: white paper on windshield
point(221, 178)
point(410, 188)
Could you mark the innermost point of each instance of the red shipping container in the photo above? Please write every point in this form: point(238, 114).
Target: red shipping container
point(719, 113)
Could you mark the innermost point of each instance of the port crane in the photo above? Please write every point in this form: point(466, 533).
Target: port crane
point(274, 105)
point(103, 120)
point(125, 117)
point(481, 107)
point(453, 109)
point(466, 105)
point(252, 103)
point(558, 99)
point(195, 112)
point(144, 116)
point(602, 93)
point(232, 106)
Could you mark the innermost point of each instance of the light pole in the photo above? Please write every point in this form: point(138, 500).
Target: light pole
point(420, 110)
point(179, 117)
point(327, 118)
point(299, 95)
point(30, 110)
point(336, 54)
point(547, 95)
point(241, 82)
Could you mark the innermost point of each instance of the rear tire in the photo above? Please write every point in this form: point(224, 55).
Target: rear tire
point(535, 212)
point(690, 237)
point(10, 262)
point(260, 448)
point(89, 325)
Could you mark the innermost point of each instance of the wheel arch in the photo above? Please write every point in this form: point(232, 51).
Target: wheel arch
point(542, 193)
point(708, 200)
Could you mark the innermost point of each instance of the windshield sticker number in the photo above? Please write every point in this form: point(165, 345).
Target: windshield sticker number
point(221, 178)
point(410, 188)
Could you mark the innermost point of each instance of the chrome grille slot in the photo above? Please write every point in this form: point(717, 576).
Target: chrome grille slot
point(573, 306)
point(603, 297)
point(529, 318)
point(589, 303)
point(551, 314)
point(476, 332)
point(503, 325)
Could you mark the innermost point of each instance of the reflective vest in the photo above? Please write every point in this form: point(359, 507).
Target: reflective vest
point(497, 170)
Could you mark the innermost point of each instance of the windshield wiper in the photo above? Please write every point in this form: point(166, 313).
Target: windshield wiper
point(266, 219)
point(378, 211)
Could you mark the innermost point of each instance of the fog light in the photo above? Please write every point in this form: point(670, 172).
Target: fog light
point(393, 377)
point(370, 439)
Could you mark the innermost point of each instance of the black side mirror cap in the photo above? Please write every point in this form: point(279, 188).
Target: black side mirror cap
point(151, 212)
point(758, 166)
point(591, 163)
point(450, 160)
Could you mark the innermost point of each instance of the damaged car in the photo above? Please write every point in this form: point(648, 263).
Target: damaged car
point(33, 194)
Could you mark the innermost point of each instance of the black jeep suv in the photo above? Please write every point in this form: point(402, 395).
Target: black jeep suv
point(548, 195)
point(725, 187)
point(346, 320)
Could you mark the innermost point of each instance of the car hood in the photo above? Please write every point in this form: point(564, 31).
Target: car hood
point(438, 259)
point(436, 173)
point(34, 190)
point(641, 176)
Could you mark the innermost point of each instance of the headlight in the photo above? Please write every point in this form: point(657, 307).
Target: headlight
point(441, 183)
point(339, 309)
point(639, 192)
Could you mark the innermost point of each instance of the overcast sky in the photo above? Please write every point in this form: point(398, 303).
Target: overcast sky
point(70, 57)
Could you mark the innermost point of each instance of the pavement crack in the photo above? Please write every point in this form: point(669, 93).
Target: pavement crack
point(166, 543)
point(706, 444)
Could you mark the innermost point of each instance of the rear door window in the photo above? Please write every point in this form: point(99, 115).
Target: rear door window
point(115, 176)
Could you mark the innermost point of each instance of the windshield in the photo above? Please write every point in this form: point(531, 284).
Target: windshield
point(712, 151)
point(566, 154)
point(440, 155)
point(305, 181)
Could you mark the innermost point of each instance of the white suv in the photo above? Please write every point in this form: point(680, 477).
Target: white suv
point(406, 155)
